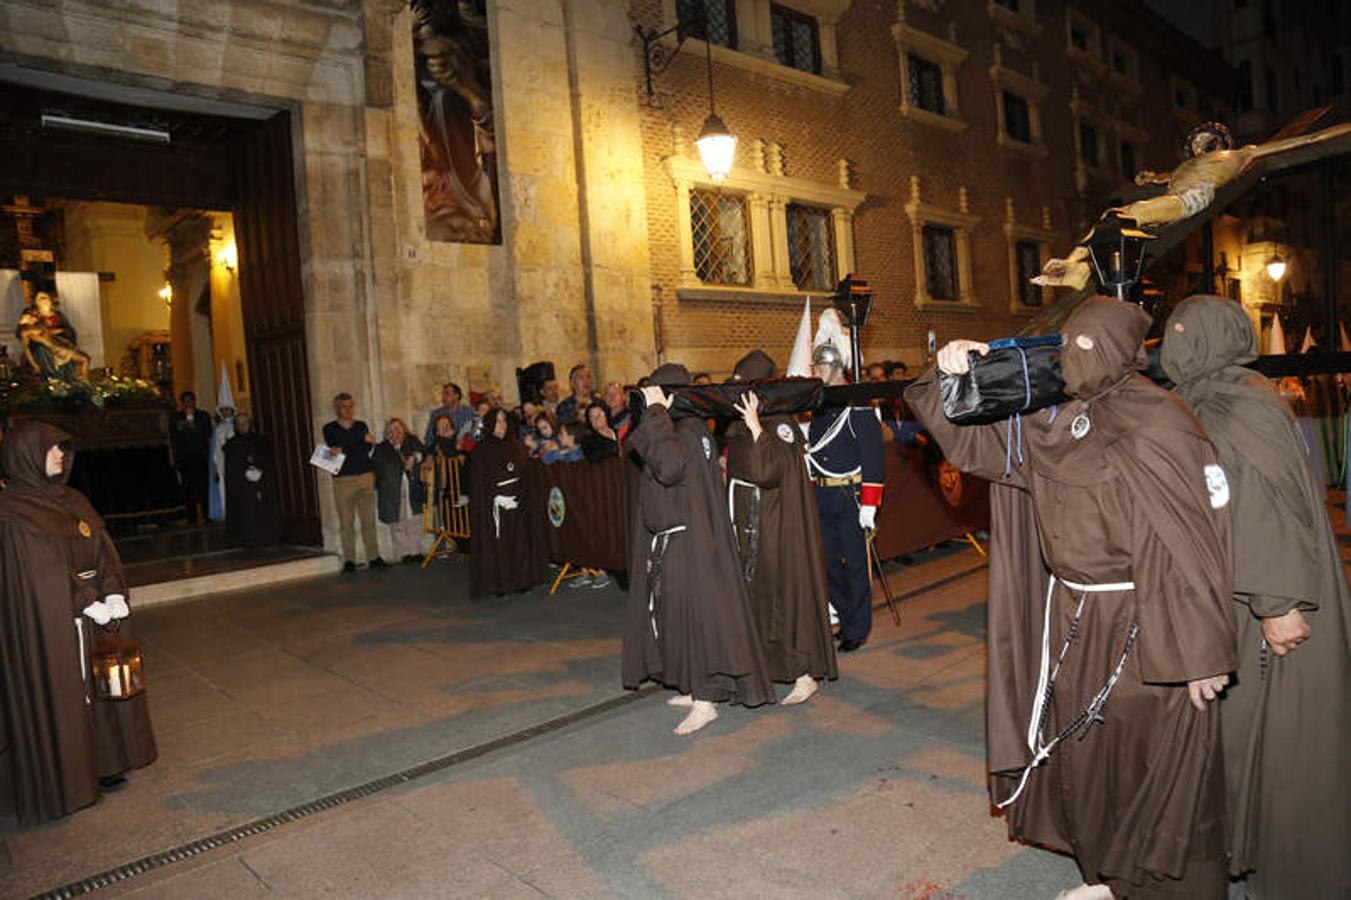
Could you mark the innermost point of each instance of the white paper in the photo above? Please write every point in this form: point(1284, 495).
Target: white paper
point(322, 460)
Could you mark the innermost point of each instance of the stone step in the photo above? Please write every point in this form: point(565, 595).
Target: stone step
point(266, 575)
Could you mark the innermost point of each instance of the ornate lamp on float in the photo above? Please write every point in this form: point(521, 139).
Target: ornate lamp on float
point(117, 668)
point(854, 299)
point(1117, 248)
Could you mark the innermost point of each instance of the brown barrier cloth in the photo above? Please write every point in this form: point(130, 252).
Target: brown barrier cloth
point(923, 504)
point(926, 502)
point(589, 506)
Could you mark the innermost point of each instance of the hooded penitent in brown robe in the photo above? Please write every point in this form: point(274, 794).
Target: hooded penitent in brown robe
point(508, 548)
point(57, 738)
point(688, 624)
point(1139, 545)
point(1287, 720)
point(778, 535)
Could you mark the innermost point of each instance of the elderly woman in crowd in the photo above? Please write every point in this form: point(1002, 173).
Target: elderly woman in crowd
point(398, 489)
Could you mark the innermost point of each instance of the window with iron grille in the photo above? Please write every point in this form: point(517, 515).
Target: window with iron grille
point(720, 228)
point(926, 85)
point(797, 42)
point(719, 14)
point(1088, 145)
point(1017, 118)
point(1128, 169)
point(811, 247)
point(940, 262)
point(1027, 256)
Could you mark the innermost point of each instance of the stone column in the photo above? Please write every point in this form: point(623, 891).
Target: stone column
point(189, 238)
point(778, 236)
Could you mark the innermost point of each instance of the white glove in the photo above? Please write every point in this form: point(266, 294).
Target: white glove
point(99, 612)
point(867, 518)
point(117, 606)
point(504, 501)
point(253, 474)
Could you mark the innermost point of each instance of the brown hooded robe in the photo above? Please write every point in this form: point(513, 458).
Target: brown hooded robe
point(1287, 720)
point(778, 536)
point(57, 738)
point(1138, 797)
point(688, 624)
point(508, 552)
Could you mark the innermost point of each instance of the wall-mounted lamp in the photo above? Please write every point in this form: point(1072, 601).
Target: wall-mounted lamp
point(1276, 268)
point(717, 145)
point(228, 256)
point(166, 294)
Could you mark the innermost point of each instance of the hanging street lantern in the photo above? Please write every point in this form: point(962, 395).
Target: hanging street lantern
point(1276, 268)
point(717, 148)
point(1117, 247)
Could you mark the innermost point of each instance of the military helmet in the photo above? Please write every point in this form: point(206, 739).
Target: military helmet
point(827, 355)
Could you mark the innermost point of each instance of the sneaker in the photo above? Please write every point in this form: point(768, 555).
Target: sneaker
point(600, 582)
point(349, 567)
point(580, 581)
point(378, 563)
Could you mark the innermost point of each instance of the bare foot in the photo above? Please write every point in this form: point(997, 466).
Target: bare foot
point(701, 713)
point(680, 700)
point(1086, 892)
point(802, 691)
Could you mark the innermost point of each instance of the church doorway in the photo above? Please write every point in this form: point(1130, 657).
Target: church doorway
point(167, 225)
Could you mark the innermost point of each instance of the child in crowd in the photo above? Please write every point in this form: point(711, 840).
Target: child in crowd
point(568, 449)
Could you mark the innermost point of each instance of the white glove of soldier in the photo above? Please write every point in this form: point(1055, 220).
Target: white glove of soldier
point(505, 502)
point(117, 606)
point(99, 612)
point(867, 517)
point(253, 474)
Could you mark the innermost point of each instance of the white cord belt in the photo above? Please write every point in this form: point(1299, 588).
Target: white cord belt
point(654, 572)
point(1046, 676)
point(732, 485)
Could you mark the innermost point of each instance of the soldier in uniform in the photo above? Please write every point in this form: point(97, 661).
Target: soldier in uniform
point(844, 458)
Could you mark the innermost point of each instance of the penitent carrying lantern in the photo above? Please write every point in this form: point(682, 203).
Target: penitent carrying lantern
point(116, 667)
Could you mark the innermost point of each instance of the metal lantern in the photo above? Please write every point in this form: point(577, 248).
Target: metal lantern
point(116, 668)
point(854, 299)
point(1117, 247)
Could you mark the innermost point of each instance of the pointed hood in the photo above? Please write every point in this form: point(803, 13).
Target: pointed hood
point(800, 360)
point(1276, 343)
point(1104, 342)
point(225, 398)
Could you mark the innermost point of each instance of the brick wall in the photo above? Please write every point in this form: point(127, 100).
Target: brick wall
point(885, 149)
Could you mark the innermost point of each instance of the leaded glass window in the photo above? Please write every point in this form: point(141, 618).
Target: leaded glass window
point(719, 14)
point(796, 40)
point(720, 229)
point(811, 247)
point(940, 262)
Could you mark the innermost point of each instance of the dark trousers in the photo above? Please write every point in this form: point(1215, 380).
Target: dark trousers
point(846, 561)
point(192, 473)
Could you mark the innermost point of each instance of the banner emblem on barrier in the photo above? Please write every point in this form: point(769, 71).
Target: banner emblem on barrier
point(950, 483)
point(558, 507)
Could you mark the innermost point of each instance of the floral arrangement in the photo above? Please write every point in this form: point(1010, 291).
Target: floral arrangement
point(107, 391)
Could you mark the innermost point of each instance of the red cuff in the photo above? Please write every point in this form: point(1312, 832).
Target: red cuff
point(871, 495)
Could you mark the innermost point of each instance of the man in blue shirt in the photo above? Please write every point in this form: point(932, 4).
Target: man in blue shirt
point(453, 405)
point(583, 394)
point(354, 485)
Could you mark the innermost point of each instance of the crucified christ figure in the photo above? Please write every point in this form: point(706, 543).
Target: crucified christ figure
point(1212, 162)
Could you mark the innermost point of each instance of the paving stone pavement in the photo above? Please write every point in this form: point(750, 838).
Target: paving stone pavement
point(268, 699)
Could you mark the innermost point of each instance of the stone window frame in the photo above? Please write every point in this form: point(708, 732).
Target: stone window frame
point(1024, 20)
point(755, 42)
point(1043, 236)
point(1083, 113)
point(1128, 83)
point(747, 248)
point(1126, 133)
point(833, 276)
point(1189, 114)
point(790, 15)
point(961, 221)
point(948, 56)
point(1031, 89)
point(1092, 57)
point(767, 197)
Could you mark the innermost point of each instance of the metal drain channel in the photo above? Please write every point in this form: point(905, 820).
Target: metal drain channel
point(331, 801)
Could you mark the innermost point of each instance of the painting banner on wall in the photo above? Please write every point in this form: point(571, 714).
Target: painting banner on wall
point(455, 111)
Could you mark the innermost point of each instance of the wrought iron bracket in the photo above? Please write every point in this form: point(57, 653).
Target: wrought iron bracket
point(657, 56)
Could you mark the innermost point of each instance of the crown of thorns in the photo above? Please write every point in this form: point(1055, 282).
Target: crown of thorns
point(1210, 136)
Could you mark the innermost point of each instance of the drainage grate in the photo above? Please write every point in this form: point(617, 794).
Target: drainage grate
point(341, 798)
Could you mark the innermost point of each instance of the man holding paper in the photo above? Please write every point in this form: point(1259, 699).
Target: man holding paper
point(354, 482)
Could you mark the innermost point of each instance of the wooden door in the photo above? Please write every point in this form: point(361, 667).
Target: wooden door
point(274, 316)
